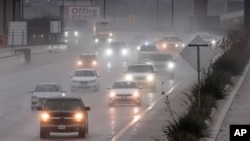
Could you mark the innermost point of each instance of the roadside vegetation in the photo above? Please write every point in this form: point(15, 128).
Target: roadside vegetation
point(193, 125)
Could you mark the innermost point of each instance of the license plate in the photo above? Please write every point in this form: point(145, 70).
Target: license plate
point(61, 127)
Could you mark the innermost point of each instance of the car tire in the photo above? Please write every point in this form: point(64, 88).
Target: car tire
point(44, 133)
point(82, 132)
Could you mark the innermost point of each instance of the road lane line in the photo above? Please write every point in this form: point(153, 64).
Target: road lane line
point(137, 118)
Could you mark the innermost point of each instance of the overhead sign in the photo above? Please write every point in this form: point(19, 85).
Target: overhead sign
point(17, 33)
point(55, 27)
point(190, 53)
point(83, 13)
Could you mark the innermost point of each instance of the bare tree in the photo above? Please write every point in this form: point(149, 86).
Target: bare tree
point(200, 12)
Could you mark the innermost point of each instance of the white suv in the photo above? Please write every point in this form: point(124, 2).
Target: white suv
point(143, 74)
point(123, 91)
point(85, 79)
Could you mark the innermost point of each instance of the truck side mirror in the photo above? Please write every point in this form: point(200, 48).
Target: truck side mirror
point(87, 108)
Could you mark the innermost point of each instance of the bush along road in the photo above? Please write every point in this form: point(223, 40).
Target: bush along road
point(194, 124)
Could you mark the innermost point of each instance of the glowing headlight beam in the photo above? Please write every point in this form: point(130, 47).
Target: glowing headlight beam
point(170, 65)
point(109, 52)
point(150, 77)
point(45, 116)
point(124, 51)
point(129, 77)
point(78, 116)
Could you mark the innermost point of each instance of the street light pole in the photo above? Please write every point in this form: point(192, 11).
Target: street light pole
point(172, 14)
point(104, 9)
point(157, 10)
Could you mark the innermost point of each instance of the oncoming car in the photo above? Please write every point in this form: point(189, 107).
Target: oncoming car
point(124, 91)
point(143, 74)
point(145, 50)
point(102, 38)
point(87, 61)
point(85, 79)
point(162, 63)
point(170, 44)
point(117, 49)
point(43, 91)
point(65, 114)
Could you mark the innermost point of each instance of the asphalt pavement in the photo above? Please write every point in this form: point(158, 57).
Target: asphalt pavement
point(121, 122)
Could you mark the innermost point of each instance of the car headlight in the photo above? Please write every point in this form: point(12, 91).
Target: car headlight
point(150, 77)
point(170, 65)
point(78, 116)
point(176, 45)
point(112, 94)
point(79, 63)
point(109, 52)
point(164, 45)
point(124, 51)
point(213, 42)
point(110, 34)
point(110, 39)
point(138, 47)
point(34, 99)
point(96, 40)
point(136, 94)
point(76, 33)
point(146, 43)
point(66, 34)
point(45, 117)
point(149, 63)
point(129, 77)
point(94, 63)
point(183, 45)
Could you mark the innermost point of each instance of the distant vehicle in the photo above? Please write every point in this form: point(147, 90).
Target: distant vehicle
point(162, 63)
point(123, 91)
point(65, 114)
point(117, 50)
point(102, 38)
point(171, 44)
point(87, 61)
point(103, 31)
point(145, 50)
point(143, 74)
point(209, 38)
point(85, 79)
point(43, 91)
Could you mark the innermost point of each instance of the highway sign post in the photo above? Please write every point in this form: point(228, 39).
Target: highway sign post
point(194, 59)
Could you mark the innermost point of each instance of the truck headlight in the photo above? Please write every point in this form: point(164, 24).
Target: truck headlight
point(112, 94)
point(76, 33)
point(135, 94)
point(124, 51)
point(94, 63)
point(78, 116)
point(150, 78)
point(96, 40)
point(66, 34)
point(45, 117)
point(129, 77)
point(79, 63)
point(170, 65)
point(110, 39)
point(109, 52)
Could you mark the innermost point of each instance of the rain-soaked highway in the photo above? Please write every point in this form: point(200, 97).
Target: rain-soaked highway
point(19, 123)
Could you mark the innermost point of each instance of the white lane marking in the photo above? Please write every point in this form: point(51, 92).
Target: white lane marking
point(137, 118)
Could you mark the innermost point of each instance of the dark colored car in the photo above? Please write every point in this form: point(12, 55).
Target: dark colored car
point(87, 61)
point(64, 114)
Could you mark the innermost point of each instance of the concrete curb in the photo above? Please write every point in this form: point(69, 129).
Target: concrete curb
point(227, 105)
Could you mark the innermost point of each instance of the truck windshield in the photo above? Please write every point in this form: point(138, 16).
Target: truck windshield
point(63, 104)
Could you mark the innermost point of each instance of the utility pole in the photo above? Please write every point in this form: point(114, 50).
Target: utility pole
point(104, 9)
point(172, 15)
